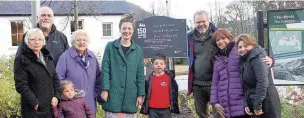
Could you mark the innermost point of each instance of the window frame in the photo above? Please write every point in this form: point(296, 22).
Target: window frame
point(17, 33)
point(111, 29)
point(79, 20)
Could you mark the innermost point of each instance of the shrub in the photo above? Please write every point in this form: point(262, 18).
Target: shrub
point(9, 98)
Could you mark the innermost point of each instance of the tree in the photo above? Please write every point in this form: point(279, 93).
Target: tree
point(76, 15)
point(157, 9)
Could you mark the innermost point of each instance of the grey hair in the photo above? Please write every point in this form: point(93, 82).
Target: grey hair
point(33, 32)
point(79, 31)
point(78, 93)
point(200, 12)
point(43, 8)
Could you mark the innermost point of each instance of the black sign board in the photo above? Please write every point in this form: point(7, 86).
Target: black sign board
point(162, 35)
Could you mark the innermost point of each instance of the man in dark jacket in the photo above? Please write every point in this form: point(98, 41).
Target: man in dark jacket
point(201, 51)
point(56, 41)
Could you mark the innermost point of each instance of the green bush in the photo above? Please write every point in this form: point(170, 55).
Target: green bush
point(291, 111)
point(9, 98)
point(292, 102)
point(100, 112)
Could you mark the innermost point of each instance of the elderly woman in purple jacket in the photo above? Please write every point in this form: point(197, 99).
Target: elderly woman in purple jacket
point(227, 95)
point(79, 65)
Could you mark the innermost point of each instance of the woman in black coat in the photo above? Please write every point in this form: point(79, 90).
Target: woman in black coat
point(261, 96)
point(35, 77)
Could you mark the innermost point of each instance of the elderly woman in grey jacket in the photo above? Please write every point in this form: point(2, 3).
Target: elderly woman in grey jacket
point(261, 96)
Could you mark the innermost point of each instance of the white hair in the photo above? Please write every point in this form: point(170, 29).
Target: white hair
point(200, 12)
point(33, 32)
point(45, 8)
point(79, 31)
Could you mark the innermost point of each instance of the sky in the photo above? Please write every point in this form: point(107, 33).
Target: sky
point(181, 9)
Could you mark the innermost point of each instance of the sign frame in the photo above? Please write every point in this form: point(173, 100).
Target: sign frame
point(141, 30)
point(295, 83)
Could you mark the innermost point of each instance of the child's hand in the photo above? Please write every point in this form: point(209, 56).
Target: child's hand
point(104, 95)
point(54, 102)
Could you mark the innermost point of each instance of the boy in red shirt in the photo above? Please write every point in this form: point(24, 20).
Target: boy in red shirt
point(161, 91)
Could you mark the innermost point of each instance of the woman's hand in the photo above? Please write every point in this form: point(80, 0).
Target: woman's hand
point(36, 107)
point(104, 95)
point(139, 100)
point(220, 110)
point(258, 112)
point(247, 110)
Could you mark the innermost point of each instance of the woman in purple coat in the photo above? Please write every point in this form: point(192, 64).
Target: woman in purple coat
point(227, 95)
point(79, 65)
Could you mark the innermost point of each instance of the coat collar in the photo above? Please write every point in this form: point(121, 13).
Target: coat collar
point(78, 94)
point(166, 72)
point(256, 51)
point(53, 28)
point(117, 44)
point(74, 53)
point(32, 56)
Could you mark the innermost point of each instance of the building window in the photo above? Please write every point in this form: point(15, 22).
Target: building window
point(17, 32)
point(80, 25)
point(107, 29)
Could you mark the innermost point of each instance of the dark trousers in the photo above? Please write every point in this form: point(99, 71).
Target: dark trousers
point(159, 113)
point(245, 116)
point(201, 96)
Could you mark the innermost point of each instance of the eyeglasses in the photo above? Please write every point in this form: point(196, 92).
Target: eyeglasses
point(36, 40)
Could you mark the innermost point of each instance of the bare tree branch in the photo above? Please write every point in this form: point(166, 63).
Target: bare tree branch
point(93, 14)
point(50, 3)
point(61, 7)
point(67, 19)
point(27, 24)
point(42, 2)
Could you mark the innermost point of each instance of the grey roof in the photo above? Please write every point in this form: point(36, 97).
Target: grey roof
point(60, 8)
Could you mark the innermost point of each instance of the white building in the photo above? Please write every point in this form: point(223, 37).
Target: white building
point(99, 18)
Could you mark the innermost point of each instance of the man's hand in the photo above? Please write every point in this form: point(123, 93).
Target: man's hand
point(104, 95)
point(220, 110)
point(139, 100)
point(54, 102)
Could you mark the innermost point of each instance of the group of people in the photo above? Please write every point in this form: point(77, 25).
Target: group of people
point(232, 74)
point(56, 80)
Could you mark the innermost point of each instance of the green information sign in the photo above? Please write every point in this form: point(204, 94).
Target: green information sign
point(286, 38)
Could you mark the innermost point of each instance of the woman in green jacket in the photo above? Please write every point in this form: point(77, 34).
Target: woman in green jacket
point(123, 74)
